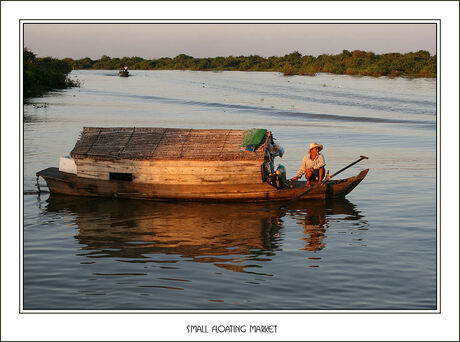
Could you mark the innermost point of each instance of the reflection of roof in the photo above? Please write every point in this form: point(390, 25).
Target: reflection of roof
point(150, 143)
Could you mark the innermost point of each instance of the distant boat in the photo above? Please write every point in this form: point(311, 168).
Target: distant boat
point(179, 164)
point(123, 73)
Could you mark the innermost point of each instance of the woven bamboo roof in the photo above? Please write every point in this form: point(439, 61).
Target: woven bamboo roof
point(150, 143)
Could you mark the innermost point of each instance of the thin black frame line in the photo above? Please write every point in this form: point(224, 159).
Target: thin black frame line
point(21, 167)
point(438, 162)
point(21, 197)
point(234, 312)
point(233, 21)
point(436, 22)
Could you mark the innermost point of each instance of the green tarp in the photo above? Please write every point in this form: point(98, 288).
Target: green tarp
point(253, 138)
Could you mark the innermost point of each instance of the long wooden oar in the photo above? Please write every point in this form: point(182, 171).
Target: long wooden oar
point(321, 183)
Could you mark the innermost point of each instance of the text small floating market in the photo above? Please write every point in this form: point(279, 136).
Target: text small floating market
point(182, 164)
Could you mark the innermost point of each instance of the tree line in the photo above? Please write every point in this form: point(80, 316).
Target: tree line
point(41, 75)
point(357, 62)
point(44, 74)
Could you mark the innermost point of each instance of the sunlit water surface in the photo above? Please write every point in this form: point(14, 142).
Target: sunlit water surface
point(375, 250)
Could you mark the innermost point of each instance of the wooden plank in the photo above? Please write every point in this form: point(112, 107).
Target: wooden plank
point(237, 164)
point(196, 179)
point(178, 179)
point(171, 170)
point(158, 173)
point(104, 175)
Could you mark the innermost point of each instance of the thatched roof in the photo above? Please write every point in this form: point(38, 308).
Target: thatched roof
point(148, 143)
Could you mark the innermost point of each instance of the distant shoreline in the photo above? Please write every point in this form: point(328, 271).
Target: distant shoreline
point(356, 63)
point(42, 75)
point(249, 71)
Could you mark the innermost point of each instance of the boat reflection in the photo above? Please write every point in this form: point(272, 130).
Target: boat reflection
point(230, 236)
point(316, 217)
point(236, 237)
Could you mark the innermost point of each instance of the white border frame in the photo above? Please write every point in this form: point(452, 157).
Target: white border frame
point(442, 326)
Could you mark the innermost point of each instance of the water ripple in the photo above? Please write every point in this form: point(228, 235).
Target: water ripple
point(278, 112)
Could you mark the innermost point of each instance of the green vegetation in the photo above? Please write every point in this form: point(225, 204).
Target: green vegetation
point(45, 74)
point(413, 64)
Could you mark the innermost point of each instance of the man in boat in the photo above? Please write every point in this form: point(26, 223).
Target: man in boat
point(278, 177)
point(274, 150)
point(312, 165)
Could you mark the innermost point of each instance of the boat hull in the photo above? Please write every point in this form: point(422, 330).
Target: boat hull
point(69, 184)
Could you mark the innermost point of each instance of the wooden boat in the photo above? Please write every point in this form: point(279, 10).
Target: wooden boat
point(178, 164)
point(123, 73)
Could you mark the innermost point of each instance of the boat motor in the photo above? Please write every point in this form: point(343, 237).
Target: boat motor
point(278, 178)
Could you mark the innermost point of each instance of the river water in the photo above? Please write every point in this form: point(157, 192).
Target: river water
point(375, 250)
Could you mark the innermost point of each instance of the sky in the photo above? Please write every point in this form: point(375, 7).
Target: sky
point(151, 41)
